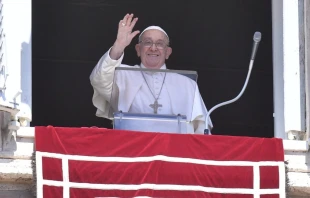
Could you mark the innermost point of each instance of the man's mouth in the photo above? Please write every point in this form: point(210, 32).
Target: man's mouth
point(153, 55)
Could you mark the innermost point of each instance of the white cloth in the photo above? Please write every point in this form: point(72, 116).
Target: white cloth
point(180, 94)
point(144, 96)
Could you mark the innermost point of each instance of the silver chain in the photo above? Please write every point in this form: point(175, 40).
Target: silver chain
point(150, 88)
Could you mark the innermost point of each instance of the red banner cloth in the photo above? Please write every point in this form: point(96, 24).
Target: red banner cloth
point(94, 162)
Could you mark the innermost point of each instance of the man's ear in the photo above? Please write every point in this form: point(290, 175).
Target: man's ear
point(169, 52)
point(138, 50)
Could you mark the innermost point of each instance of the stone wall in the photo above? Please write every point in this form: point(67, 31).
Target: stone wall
point(298, 158)
point(15, 166)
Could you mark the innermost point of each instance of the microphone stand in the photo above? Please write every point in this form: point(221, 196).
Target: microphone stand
point(256, 38)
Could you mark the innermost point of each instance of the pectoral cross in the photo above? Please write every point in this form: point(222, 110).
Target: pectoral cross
point(155, 106)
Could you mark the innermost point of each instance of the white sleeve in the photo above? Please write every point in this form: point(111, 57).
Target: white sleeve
point(101, 80)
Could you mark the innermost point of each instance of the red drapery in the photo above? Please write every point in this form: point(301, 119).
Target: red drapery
point(90, 162)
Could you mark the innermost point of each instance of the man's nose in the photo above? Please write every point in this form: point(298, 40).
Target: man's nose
point(153, 47)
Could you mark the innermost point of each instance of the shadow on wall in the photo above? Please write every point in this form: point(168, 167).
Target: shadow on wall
point(25, 115)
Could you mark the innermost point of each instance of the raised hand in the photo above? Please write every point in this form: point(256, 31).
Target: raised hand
point(124, 35)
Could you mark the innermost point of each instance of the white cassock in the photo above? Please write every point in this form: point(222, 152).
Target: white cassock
point(177, 95)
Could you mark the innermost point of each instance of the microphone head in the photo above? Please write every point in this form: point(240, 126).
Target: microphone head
point(257, 37)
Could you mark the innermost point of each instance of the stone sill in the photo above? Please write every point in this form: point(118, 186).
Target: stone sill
point(24, 150)
point(11, 187)
point(17, 171)
point(15, 193)
point(296, 145)
point(290, 145)
point(300, 168)
point(8, 108)
point(299, 184)
point(26, 132)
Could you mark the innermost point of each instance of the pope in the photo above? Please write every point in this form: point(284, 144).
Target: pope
point(145, 92)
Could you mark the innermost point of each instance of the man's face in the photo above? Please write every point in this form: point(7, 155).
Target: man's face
point(153, 49)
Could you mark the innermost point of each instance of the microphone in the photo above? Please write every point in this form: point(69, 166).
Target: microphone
point(256, 38)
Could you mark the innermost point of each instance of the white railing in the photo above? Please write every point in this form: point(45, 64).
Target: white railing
point(66, 184)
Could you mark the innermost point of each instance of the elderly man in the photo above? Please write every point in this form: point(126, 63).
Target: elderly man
point(145, 92)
